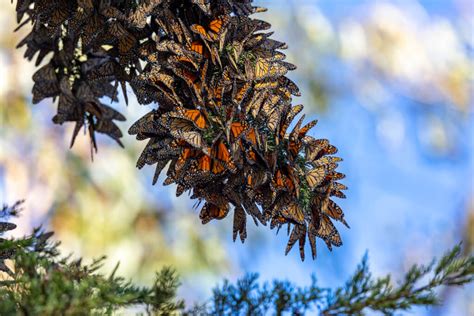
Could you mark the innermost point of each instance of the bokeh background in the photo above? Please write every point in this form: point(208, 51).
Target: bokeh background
point(391, 83)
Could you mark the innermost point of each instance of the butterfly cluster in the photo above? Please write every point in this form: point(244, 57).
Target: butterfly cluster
point(93, 50)
point(224, 105)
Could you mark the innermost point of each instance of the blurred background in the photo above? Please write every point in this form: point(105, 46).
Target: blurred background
point(391, 83)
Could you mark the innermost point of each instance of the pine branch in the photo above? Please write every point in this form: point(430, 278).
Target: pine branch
point(41, 282)
point(365, 292)
point(361, 293)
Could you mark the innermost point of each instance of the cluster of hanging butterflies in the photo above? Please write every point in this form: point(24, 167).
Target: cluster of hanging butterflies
point(222, 125)
point(93, 50)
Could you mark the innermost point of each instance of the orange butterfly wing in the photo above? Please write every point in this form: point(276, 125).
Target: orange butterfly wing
point(217, 167)
point(216, 25)
point(252, 137)
point(236, 129)
point(204, 163)
point(197, 47)
point(222, 152)
point(197, 117)
point(278, 179)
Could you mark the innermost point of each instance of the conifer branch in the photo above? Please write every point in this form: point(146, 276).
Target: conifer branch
point(41, 281)
point(361, 293)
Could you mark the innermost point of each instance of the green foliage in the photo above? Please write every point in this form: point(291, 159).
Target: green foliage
point(41, 282)
point(362, 291)
point(360, 294)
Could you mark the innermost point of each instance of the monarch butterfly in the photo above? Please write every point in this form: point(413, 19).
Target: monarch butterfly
point(271, 44)
point(240, 223)
point(211, 211)
point(195, 116)
point(290, 85)
point(335, 239)
point(256, 39)
point(185, 155)
point(298, 234)
point(302, 132)
point(204, 163)
point(254, 24)
point(169, 180)
point(236, 129)
point(312, 241)
point(204, 5)
point(294, 144)
point(255, 103)
point(259, 178)
point(197, 47)
point(217, 24)
point(290, 116)
point(111, 12)
point(126, 41)
point(221, 152)
point(270, 104)
point(315, 149)
point(253, 211)
point(170, 20)
point(204, 73)
point(266, 85)
point(271, 111)
point(159, 167)
point(183, 129)
point(186, 62)
point(293, 212)
point(339, 186)
point(218, 93)
point(334, 211)
point(159, 78)
point(277, 221)
point(278, 179)
point(5, 226)
point(59, 15)
point(338, 194)
point(263, 68)
point(46, 83)
point(295, 132)
point(46, 73)
point(190, 78)
point(278, 56)
point(326, 228)
point(91, 30)
point(217, 167)
point(326, 161)
point(274, 119)
point(108, 127)
point(172, 47)
point(290, 184)
point(139, 17)
point(241, 92)
point(215, 27)
point(251, 136)
point(315, 176)
point(144, 124)
point(180, 189)
point(337, 176)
